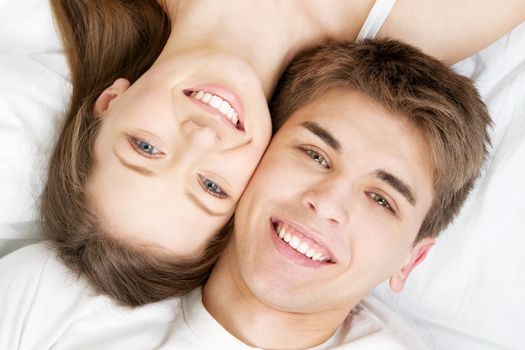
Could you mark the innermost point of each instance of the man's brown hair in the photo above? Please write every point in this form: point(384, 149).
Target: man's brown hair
point(444, 106)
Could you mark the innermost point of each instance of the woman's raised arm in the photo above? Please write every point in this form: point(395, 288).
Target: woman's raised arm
point(452, 29)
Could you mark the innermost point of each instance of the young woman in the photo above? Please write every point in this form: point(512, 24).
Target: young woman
point(169, 118)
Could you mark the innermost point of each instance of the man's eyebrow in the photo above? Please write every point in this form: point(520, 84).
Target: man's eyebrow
point(400, 186)
point(201, 205)
point(136, 168)
point(323, 134)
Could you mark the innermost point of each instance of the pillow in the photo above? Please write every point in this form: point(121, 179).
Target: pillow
point(469, 292)
point(34, 90)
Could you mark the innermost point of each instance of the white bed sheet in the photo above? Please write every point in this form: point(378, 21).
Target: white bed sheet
point(470, 291)
point(469, 294)
point(34, 87)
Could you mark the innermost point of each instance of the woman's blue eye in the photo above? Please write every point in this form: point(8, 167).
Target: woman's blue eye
point(145, 148)
point(316, 157)
point(381, 201)
point(212, 188)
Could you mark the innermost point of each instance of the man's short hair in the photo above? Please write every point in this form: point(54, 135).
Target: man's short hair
point(444, 106)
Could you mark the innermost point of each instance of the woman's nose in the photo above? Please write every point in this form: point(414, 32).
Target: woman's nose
point(201, 138)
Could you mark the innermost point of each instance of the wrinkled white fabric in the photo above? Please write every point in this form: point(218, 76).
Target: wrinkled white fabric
point(44, 306)
point(469, 292)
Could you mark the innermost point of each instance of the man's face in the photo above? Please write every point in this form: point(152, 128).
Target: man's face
point(334, 206)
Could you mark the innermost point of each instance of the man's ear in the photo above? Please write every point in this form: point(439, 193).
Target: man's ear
point(417, 255)
point(102, 103)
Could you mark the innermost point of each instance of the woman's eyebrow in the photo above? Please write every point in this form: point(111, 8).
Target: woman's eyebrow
point(134, 167)
point(397, 184)
point(201, 205)
point(323, 134)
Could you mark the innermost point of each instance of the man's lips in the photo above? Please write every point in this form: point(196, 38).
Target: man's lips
point(300, 243)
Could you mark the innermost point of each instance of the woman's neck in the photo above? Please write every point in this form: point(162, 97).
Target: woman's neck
point(265, 34)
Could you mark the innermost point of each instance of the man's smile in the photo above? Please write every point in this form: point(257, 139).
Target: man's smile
point(298, 244)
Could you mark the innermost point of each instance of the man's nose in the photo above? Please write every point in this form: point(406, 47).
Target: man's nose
point(199, 138)
point(329, 202)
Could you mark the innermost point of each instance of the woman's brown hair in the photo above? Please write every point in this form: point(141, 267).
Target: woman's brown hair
point(105, 40)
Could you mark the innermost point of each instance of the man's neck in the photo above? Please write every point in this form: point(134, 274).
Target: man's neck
point(250, 320)
point(265, 34)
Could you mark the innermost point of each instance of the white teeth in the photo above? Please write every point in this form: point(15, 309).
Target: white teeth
point(294, 242)
point(218, 103)
point(318, 257)
point(310, 253)
point(206, 98)
point(232, 115)
point(224, 107)
point(301, 247)
point(215, 102)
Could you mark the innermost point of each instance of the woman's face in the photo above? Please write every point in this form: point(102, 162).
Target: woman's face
point(176, 149)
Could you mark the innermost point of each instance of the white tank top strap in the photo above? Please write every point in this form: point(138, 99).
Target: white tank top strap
point(375, 19)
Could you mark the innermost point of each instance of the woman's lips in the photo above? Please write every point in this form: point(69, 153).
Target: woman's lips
point(223, 102)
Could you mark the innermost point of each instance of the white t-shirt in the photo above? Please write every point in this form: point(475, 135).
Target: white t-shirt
point(44, 306)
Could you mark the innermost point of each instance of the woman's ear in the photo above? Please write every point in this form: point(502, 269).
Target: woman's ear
point(102, 103)
point(417, 255)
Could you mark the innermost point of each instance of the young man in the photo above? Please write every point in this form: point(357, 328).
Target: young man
point(380, 147)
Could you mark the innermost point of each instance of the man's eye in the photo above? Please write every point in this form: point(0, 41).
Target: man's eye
point(212, 188)
point(381, 201)
point(145, 148)
point(316, 157)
